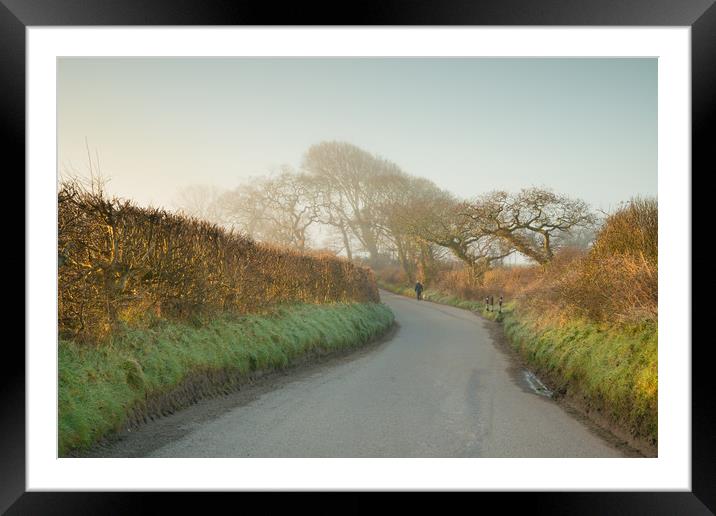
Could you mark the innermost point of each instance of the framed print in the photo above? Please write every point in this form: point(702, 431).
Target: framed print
point(437, 270)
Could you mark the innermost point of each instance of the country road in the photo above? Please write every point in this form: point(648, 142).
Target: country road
point(441, 387)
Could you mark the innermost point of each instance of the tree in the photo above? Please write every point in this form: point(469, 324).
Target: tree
point(394, 196)
point(290, 208)
point(531, 221)
point(400, 195)
point(277, 209)
point(348, 178)
point(243, 209)
point(330, 213)
point(441, 219)
point(199, 201)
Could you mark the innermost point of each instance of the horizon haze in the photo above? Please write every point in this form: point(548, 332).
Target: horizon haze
point(585, 127)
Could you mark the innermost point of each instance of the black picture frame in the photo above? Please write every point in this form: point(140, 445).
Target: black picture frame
point(700, 15)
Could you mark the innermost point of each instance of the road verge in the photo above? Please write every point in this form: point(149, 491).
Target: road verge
point(607, 373)
point(146, 373)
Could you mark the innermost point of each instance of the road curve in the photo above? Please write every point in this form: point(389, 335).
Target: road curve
point(439, 388)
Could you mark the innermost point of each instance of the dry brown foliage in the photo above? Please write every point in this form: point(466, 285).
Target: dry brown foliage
point(633, 230)
point(119, 263)
point(616, 281)
point(393, 274)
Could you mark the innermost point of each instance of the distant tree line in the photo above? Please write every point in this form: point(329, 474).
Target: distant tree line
point(370, 209)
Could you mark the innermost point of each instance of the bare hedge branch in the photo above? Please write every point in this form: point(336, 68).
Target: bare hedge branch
point(119, 263)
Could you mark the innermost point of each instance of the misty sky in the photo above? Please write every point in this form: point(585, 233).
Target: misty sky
point(585, 127)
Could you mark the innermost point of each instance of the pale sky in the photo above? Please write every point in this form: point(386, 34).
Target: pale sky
point(584, 127)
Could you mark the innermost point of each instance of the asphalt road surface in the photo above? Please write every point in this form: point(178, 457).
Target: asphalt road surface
point(441, 387)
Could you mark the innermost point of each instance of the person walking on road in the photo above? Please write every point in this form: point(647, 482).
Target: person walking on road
point(500, 303)
point(419, 290)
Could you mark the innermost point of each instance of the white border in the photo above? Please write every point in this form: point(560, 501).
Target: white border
point(670, 471)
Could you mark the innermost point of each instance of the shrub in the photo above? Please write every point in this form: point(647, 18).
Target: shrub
point(617, 281)
point(633, 230)
point(124, 265)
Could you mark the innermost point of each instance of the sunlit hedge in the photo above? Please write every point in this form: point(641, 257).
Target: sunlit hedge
point(122, 264)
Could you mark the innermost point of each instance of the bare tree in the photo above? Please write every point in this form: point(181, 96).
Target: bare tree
point(348, 179)
point(366, 203)
point(330, 212)
point(276, 209)
point(441, 219)
point(200, 201)
point(243, 209)
point(290, 209)
point(530, 221)
point(400, 195)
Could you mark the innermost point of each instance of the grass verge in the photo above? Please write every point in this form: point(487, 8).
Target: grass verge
point(608, 372)
point(101, 387)
point(432, 295)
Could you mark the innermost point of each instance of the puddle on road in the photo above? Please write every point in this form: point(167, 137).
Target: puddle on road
point(536, 384)
point(521, 375)
point(529, 382)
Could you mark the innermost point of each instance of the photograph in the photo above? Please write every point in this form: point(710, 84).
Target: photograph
point(411, 248)
point(348, 257)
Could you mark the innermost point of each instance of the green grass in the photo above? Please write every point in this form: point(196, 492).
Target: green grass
point(435, 296)
point(613, 369)
point(99, 386)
